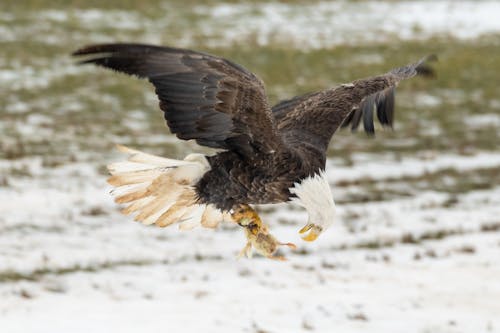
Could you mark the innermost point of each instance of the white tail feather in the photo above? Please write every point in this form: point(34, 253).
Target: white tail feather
point(136, 205)
point(192, 218)
point(148, 159)
point(134, 177)
point(160, 190)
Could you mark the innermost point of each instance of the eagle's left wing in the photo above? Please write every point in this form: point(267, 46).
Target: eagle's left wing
point(281, 109)
point(348, 104)
point(383, 101)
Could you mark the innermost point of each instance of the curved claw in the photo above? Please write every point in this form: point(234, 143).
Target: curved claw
point(290, 245)
point(313, 232)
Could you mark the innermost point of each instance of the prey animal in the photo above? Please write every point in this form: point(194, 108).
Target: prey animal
point(265, 154)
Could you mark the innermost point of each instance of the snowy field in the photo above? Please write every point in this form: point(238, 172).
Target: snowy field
point(415, 247)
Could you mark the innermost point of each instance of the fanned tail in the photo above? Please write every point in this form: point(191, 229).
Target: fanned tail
point(160, 190)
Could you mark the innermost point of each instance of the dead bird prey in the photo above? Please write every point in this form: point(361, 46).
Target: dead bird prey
point(269, 154)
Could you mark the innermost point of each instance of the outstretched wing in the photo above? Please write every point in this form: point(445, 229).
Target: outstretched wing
point(212, 100)
point(383, 101)
point(281, 109)
point(316, 116)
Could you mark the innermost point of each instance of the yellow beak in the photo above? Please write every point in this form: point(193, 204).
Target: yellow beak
point(314, 232)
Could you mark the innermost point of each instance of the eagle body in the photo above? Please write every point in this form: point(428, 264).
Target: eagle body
point(233, 179)
point(266, 154)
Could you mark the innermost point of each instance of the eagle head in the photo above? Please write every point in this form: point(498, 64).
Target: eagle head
point(314, 194)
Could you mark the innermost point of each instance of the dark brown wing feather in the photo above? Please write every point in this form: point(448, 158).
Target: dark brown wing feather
point(212, 100)
point(281, 109)
point(382, 102)
point(316, 116)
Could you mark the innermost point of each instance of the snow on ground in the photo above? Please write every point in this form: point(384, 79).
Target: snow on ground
point(330, 23)
point(484, 120)
point(369, 166)
point(71, 262)
point(308, 25)
point(404, 254)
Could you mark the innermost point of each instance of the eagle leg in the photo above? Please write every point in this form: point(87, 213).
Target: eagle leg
point(257, 234)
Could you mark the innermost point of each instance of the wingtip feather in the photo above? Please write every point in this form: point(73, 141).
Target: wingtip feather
point(424, 68)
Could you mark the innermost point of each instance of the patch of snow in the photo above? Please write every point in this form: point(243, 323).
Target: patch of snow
point(495, 104)
point(95, 18)
point(17, 107)
point(32, 131)
point(425, 100)
point(315, 25)
point(483, 120)
point(326, 24)
point(28, 77)
point(430, 129)
point(110, 274)
point(375, 167)
point(39, 119)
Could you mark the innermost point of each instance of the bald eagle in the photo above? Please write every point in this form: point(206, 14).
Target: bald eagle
point(266, 154)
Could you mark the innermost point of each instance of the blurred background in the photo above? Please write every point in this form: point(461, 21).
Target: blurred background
point(415, 248)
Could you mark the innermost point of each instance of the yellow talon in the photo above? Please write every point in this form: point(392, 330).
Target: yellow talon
point(257, 234)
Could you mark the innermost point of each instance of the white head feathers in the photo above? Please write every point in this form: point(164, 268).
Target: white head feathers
point(314, 194)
